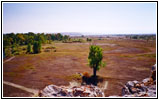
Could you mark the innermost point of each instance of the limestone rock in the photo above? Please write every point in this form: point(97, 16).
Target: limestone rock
point(146, 88)
point(76, 91)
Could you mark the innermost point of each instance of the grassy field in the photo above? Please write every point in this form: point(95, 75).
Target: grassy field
point(59, 62)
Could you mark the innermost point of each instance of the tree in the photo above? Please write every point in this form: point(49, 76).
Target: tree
point(95, 58)
point(59, 36)
point(37, 47)
point(29, 49)
point(20, 38)
point(7, 52)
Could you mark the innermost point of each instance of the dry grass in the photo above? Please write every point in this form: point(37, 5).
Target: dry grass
point(60, 67)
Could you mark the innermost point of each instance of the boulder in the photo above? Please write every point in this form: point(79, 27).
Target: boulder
point(76, 91)
point(146, 88)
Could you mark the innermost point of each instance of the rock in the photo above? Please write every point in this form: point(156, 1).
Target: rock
point(114, 96)
point(153, 76)
point(146, 88)
point(146, 80)
point(135, 82)
point(76, 91)
point(153, 70)
point(130, 84)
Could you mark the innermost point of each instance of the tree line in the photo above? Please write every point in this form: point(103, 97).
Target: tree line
point(143, 37)
point(12, 41)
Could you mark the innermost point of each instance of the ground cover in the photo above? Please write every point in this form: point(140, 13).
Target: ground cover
point(126, 60)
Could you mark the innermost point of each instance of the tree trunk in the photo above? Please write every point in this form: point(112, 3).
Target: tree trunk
point(94, 71)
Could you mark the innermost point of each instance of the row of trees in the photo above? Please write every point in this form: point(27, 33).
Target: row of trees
point(12, 42)
point(143, 37)
point(26, 38)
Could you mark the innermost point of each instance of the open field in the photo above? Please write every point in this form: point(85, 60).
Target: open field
point(126, 60)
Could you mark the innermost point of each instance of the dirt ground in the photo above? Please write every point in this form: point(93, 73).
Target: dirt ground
point(126, 60)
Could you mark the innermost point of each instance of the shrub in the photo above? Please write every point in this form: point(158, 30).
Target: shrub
point(15, 49)
point(89, 39)
point(29, 48)
point(86, 74)
point(37, 47)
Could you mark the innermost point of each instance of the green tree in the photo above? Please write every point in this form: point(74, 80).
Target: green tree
point(20, 38)
point(37, 47)
point(95, 58)
point(29, 48)
point(8, 52)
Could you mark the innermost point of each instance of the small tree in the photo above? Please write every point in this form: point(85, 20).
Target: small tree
point(29, 48)
point(37, 47)
point(95, 58)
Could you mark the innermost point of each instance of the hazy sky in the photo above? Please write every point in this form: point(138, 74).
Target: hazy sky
point(80, 17)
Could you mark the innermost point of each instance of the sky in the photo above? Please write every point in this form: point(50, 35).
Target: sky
point(80, 17)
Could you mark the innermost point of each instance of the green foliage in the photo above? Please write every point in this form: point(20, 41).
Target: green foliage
point(37, 47)
point(29, 48)
point(15, 49)
point(12, 40)
point(25, 38)
point(95, 58)
point(20, 38)
point(143, 37)
point(89, 39)
point(40, 37)
point(8, 52)
point(78, 40)
point(7, 42)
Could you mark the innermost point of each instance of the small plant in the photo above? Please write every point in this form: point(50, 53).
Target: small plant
point(86, 74)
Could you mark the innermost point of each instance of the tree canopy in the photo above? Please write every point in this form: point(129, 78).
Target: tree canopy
point(12, 41)
point(95, 58)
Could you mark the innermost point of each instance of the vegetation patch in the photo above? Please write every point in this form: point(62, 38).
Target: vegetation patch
point(139, 55)
point(148, 55)
point(74, 77)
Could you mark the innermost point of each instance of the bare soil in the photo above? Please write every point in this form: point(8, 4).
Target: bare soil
point(124, 59)
point(8, 92)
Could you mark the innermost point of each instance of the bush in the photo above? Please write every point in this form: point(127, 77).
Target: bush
point(29, 48)
point(86, 74)
point(15, 49)
point(89, 39)
point(37, 47)
point(7, 52)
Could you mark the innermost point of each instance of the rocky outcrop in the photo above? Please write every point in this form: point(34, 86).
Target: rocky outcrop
point(145, 88)
point(76, 91)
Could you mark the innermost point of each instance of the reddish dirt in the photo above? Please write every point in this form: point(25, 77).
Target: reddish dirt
point(8, 92)
point(37, 71)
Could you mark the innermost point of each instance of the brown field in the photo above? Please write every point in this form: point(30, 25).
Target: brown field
point(126, 60)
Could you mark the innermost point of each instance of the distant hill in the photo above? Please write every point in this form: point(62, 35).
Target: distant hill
point(71, 33)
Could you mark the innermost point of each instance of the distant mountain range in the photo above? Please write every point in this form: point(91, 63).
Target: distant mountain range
point(102, 34)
